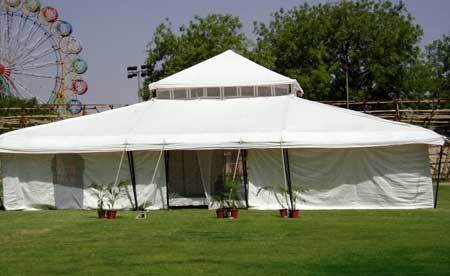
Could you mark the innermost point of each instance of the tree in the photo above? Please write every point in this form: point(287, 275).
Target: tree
point(375, 41)
point(202, 38)
point(438, 57)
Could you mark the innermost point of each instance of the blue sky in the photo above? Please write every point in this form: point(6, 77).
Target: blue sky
point(115, 33)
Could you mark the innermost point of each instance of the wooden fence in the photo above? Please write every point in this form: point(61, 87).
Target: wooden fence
point(434, 153)
point(12, 118)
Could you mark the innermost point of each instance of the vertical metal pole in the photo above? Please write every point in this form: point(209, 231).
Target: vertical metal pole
point(346, 86)
point(139, 86)
point(245, 174)
point(166, 166)
point(288, 175)
point(183, 171)
point(133, 178)
point(438, 177)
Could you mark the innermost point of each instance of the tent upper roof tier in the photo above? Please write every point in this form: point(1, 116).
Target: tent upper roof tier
point(225, 75)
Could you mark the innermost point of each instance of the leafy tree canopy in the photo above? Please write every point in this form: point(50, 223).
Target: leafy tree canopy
point(376, 41)
point(438, 57)
point(170, 52)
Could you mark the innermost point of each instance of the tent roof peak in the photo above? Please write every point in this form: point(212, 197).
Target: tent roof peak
point(227, 69)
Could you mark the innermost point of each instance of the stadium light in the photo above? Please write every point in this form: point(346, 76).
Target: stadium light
point(135, 71)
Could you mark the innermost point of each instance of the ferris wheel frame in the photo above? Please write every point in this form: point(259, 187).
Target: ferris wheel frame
point(56, 34)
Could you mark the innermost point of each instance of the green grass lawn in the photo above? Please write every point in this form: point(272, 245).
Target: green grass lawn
point(193, 242)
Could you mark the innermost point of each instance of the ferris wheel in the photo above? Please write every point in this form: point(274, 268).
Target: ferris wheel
point(39, 57)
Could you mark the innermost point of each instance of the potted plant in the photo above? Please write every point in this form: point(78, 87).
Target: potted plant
point(220, 199)
point(285, 195)
point(293, 211)
point(100, 193)
point(284, 201)
point(232, 188)
point(114, 193)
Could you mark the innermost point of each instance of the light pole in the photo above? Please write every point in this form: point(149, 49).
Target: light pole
point(346, 86)
point(133, 71)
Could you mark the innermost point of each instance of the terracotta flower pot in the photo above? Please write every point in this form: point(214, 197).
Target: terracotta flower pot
point(234, 213)
point(294, 213)
point(220, 213)
point(111, 214)
point(101, 214)
point(284, 213)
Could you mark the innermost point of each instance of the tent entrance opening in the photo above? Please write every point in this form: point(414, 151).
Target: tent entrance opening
point(194, 177)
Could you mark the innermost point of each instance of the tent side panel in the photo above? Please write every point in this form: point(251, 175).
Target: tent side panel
point(28, 182)
point(68, 170)
point(102, 168)
point(150, 195)
point(12, 194)
point(358, 178)
point(265, 178)
point(363, 178)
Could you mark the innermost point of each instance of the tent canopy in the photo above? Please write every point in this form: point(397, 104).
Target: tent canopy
point(227, 69)
point(263, 122)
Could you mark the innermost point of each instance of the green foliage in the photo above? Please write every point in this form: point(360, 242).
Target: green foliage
point(12, 106)
point(281, 194)
point(115, 192)
point(10, 101)
point(109, 193)
point(220, 199)
point(100, 192)
point(376, 41)
point(232, 192)
point(230, 195)
point(438, 57)
point(204, 37)
point(297, 191)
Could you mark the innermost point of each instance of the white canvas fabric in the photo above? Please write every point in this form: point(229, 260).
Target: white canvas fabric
point(151, 195)
point(265, 122)
point(394, 177)
point(205, 163)
point(265, 178)
point(227, 69)
point(29, 181)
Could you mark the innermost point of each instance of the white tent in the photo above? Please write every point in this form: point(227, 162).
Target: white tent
point(337, 159)
point(263, 122)
point(225, 75)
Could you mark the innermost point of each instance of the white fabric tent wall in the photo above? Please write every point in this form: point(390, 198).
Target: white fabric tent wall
point(28, 180)
point(353, 178)
point(265, 177)
point(392, 177)
point(150, 195)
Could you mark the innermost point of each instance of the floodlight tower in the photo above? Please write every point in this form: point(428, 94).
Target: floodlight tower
point(133, 71)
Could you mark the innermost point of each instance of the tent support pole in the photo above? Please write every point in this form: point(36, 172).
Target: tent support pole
point(166, 166)
point(133, 178)
point(244, 168)
point(438, 177)
point(288, 175)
